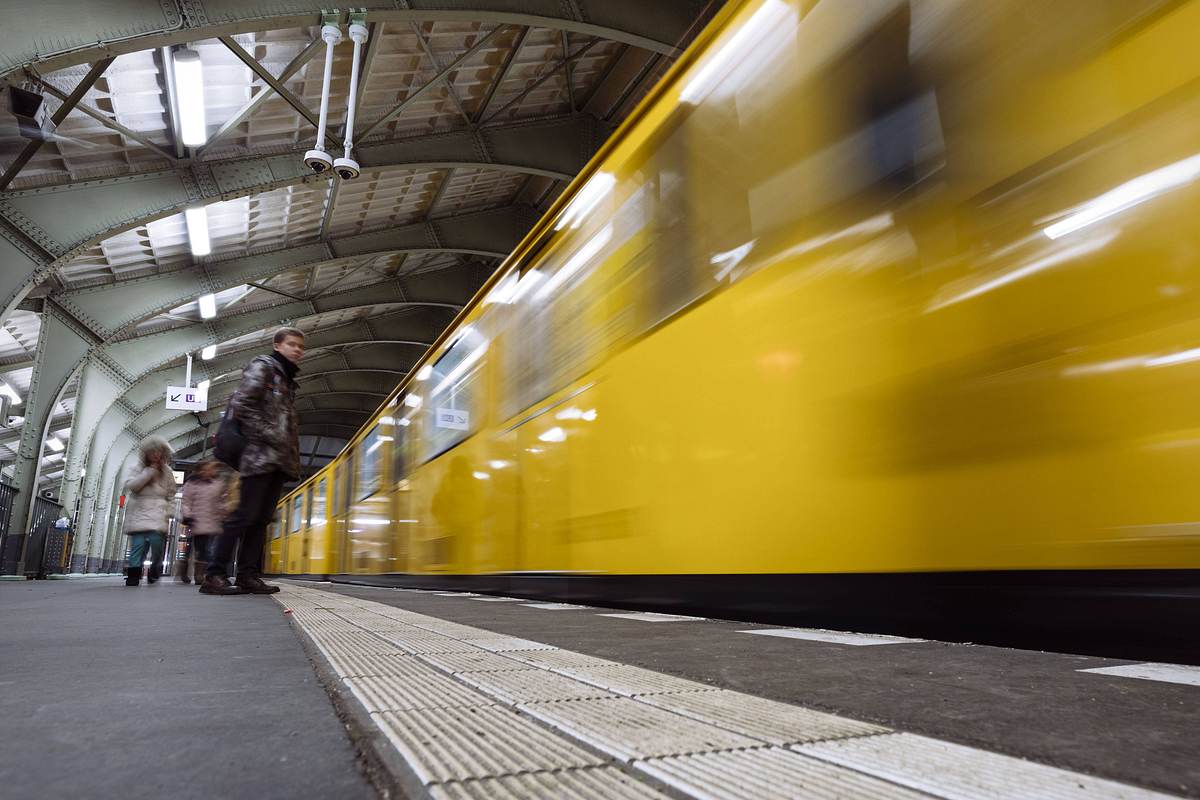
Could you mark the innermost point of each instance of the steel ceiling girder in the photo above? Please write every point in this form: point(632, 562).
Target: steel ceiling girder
point(71, 32)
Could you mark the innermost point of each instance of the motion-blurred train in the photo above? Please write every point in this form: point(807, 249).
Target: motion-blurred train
point(881, 315)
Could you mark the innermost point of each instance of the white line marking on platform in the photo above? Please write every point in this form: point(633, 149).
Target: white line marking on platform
point(498, 599)
point(1166, 673)
point(834, 637)
point(553, 606)
point(456, 594)
point(650, 616)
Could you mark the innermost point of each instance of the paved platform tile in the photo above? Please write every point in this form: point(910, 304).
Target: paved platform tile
point(483, 742)
point(593, 783)
point(342, 643)
point(777, 723)
point(423, 643)
point(958, 772)
point(768, 774)
point(562, 660)
point(628, 729)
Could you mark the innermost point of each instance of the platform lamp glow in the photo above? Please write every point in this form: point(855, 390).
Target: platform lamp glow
point(197, 230)
point(189, 82)
point(317, 159)
point(209, 352)
point(346, 167)
point(208, 306)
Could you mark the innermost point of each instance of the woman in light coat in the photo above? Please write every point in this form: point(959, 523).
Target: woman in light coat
point(149, 498)
point(208, 497)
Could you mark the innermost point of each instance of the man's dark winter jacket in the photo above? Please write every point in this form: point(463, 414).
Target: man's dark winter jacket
point(265, 405)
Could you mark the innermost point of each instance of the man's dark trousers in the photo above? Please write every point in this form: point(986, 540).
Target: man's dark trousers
point(248, 525)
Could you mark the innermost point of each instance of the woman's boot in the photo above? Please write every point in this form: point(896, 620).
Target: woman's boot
point(133, 576)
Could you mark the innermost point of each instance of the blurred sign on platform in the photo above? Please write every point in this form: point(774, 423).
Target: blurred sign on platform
point(187, 398)
point(454, 419)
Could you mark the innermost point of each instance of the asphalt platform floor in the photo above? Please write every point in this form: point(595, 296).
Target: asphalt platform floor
point(108, 691)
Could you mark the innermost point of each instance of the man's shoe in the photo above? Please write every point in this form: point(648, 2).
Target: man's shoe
point(133, 576)
point(219, 584)
point(252, 584)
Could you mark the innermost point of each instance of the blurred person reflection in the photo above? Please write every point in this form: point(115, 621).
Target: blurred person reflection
point(149, 490)
point(209, 495)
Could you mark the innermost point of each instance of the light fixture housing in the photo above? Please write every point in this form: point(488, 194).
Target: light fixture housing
point(189, 94)
point(55, 444)
point(208, 306)
point(209, 353)
point(197, 230)
point(11, 392)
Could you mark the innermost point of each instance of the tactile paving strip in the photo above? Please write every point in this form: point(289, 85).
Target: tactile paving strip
point(423, 643)
point(592, 783)
point(357, 666)
point(628, 729)
point(424, 690)
point(777, 723)
point(531, 686)
point(562, 660)
point(358, 643)
point(477, 662)
point(955, 771)
point(634, 681)
point(502, 644)
point(768, 773)
point(483, 742)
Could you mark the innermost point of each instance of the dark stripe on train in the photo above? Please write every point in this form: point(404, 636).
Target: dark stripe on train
point(1138, 614)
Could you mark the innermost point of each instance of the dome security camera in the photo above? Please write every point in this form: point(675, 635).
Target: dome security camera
point(318, 161)
point(346, 168)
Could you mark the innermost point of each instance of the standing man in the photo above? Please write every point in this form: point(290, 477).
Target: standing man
point(265, 408)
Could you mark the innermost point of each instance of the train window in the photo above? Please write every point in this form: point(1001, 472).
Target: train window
point(370, 464)
point(451, 404)
point(316, 505)
point(276, 525)
point(297, 515)
point(309, 505)
point(346, 473)
point(399, 450)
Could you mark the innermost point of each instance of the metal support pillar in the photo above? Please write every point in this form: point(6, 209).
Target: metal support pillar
point(60, 349)
point(99, 388)
point(89, 525)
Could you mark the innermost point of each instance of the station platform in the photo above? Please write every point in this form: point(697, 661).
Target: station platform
point(111, 691)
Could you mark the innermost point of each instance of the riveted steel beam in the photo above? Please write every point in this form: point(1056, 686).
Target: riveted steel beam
point(61, 346)
point(72, 32)
point(44, 227)
point(111, 308)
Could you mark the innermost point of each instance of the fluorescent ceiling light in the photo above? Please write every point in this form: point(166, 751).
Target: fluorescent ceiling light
point(189, 95)
point(424, 372)
point(11, 392)
point(209, 352)
point(203, 385)
point(412, 400)
point(208, 305)
point(55, 444)
point(1127, 195)
point(197, 229)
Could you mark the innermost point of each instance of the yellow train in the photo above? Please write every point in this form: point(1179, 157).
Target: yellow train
point(879, 314)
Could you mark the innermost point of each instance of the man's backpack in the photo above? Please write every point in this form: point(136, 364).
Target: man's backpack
point(230, 442)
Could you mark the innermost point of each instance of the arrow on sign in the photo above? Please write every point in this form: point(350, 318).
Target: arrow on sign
point(174, 398)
